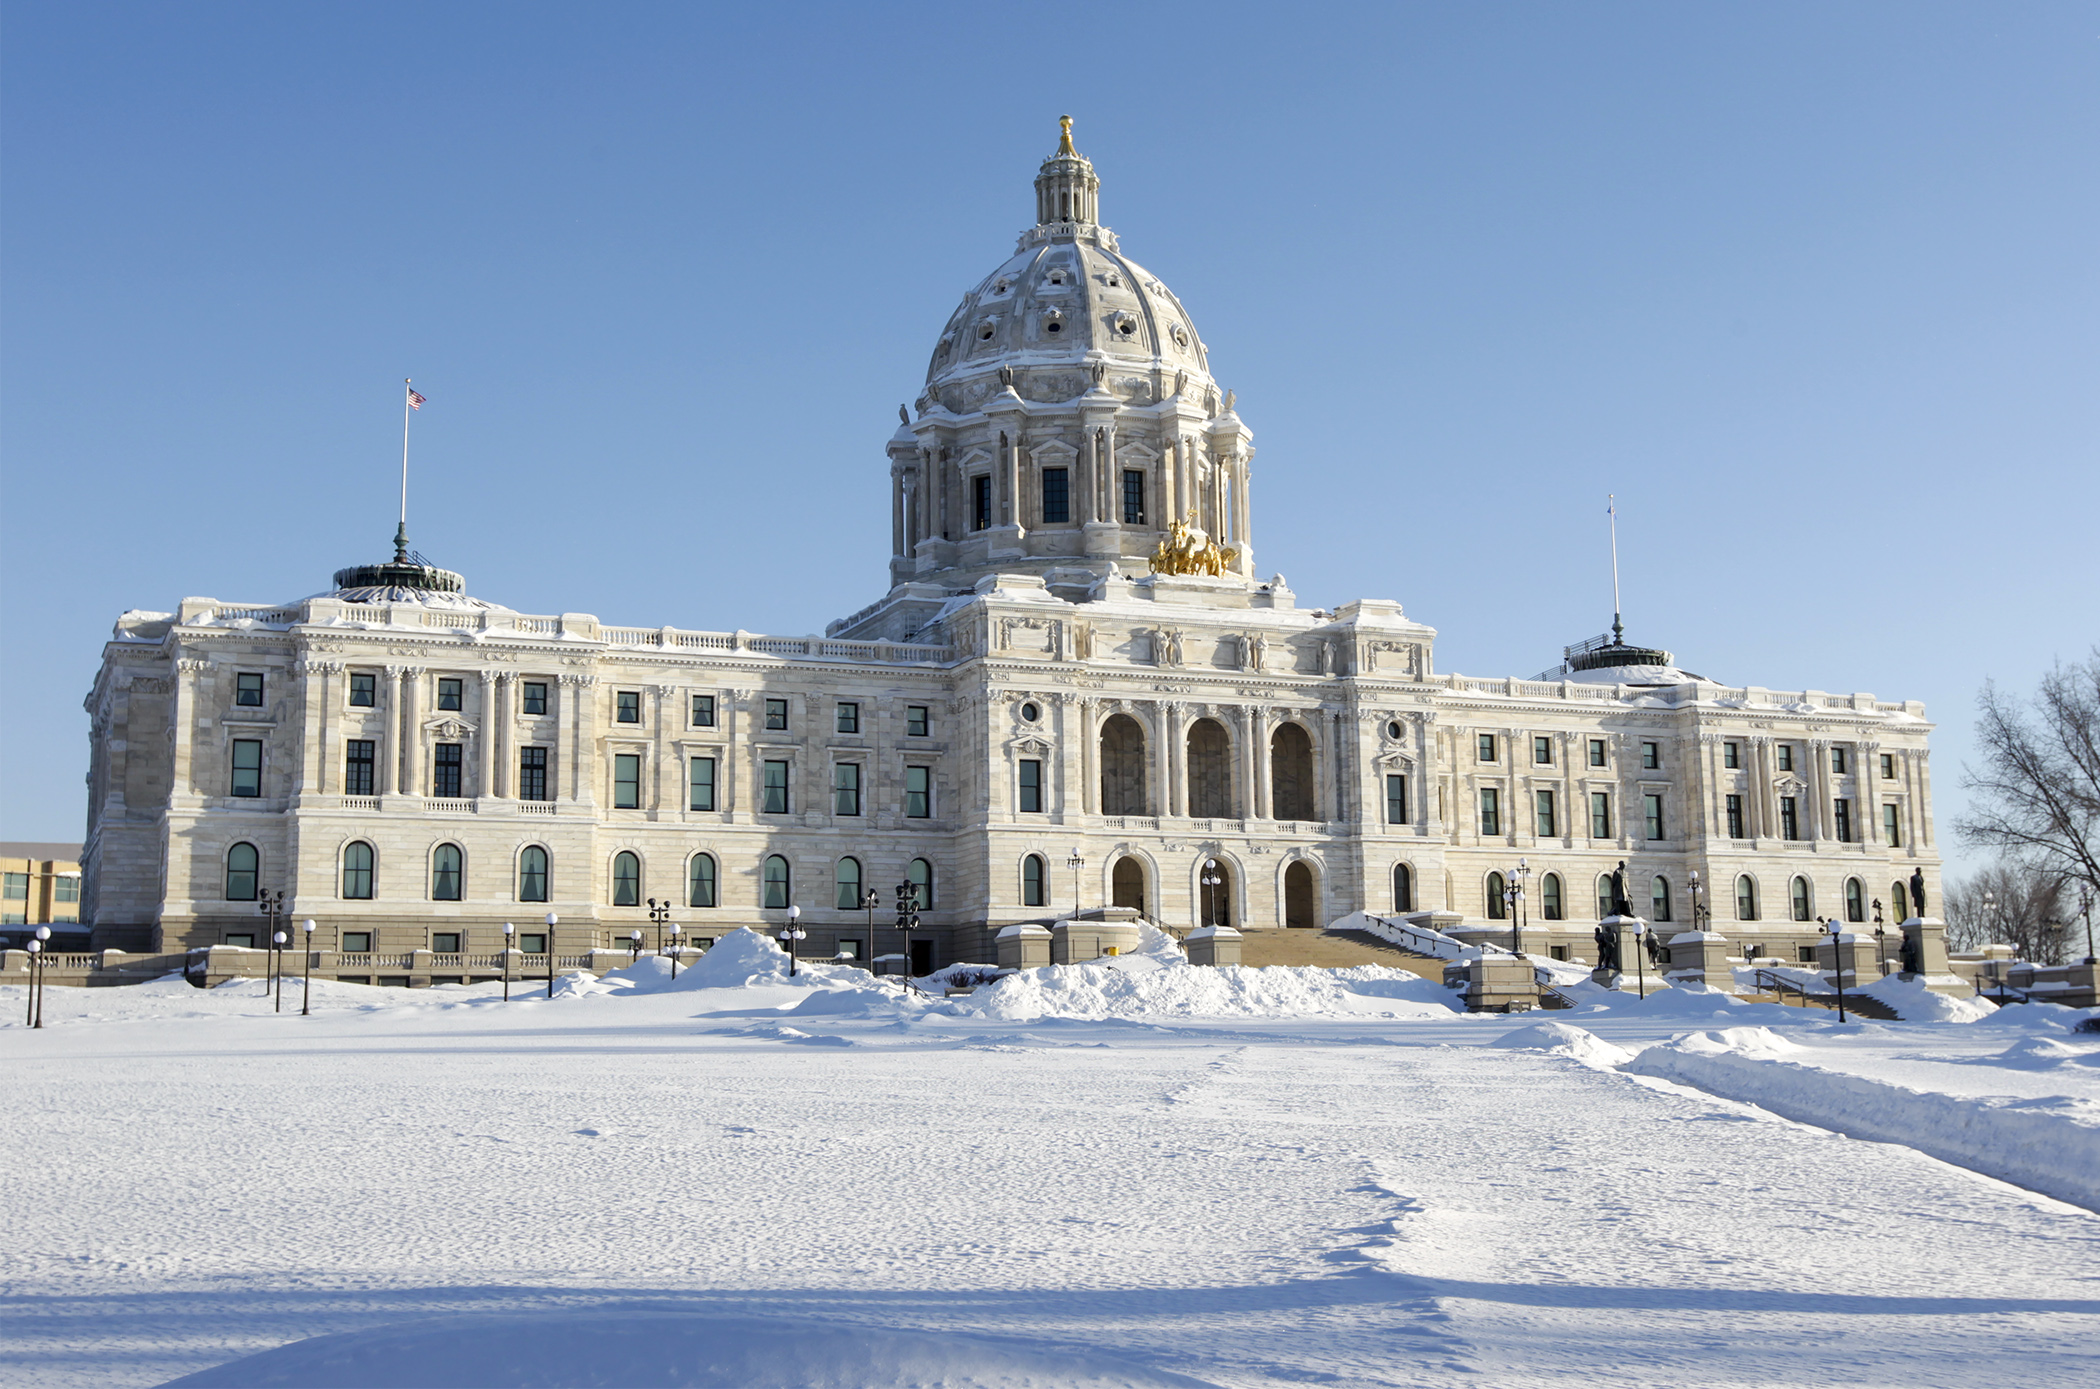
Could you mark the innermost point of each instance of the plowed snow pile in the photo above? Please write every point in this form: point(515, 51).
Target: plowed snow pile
point(1145, 987)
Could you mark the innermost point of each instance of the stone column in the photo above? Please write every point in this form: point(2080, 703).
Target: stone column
point(1922, 796)
point(1111, 480)
point(1160, 801)
point(390, 757)
point(1818, 779)
point(485, 743)
point(411, 743)
point(1259, 723)
point(1089, 735)
point(1763, 811)
point(1071, 761)
point(502, 735)
point(1176, 739)
point(1244, 778)
point(570, 735)
point(185, 730)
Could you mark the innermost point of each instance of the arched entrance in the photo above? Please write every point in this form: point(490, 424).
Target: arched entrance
point(1299, 907)
point(1210, 770)
point(1214, 892)
point(1122, 766)
point(1127, 883)
point(1291, 774)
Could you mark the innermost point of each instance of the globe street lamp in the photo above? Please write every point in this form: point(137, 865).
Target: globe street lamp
point(793, 934)
point(38, 966)
point(1640, 963)
point(1516, 903)
point(1701, 913)
point(634, 946)
point(277, 944)
point(1211, 880)
point(1075, 863)
point(35, 948)
point(306, 984)
point(271, 905)
point(907, 921)
point(675, 929)
point(1837, 960)
point(1881, 942)
point(510, 933)
point(660, 913)
point(871, 899)
point(551, 919)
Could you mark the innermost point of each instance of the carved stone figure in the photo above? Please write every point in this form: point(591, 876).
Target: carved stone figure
point(1257, 652)
point(1607, 938)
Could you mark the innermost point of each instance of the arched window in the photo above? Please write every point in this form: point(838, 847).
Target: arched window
point(445, 874)
point(1127, 883)
point(700, 881)
point(1300, 905)
point(1855, 900)
point(1122, 766)
point(920, 875)
point(532, 874)
point(1659, 900)
point(1032, 881)
point(357, 871)
point(1403, 888)
point(1495, 889)
point(242, 866)
point(1899, 893)
point(1291, 774)
point(775, 883)
point(1210, 770)
point(1550, 898)
point(1603, 895)
point(1745, 899)
point(847, 876)
point(627, 880)
point(1804, 905)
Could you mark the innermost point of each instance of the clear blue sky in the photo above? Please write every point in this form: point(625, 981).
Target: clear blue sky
point(1811, 287)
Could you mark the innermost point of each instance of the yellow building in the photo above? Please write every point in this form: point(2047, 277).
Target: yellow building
point(39, 885)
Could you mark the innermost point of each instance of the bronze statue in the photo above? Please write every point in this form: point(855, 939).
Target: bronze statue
point(1607, 939)
point(1917, 890)
point(1621, 904)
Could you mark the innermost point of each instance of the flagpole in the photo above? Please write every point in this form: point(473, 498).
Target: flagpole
point(401, 534)
point(1611, 509)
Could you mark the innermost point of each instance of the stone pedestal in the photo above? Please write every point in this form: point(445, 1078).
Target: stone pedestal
point(1853, 954)
point(1629, 942)
point(1924, 946)
point(1024, 947)
point(1700, 957)
point(1213, 945)
point(1075, 942)
point(1501, 984)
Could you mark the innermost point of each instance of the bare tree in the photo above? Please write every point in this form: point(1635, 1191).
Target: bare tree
point(2010, 903)
point(2037, 796)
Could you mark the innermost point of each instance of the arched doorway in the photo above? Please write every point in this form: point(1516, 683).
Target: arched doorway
point(1122, 766)
point(1299, 907)
point(1210, 770)
point(1127, 883)
point(1291, 774)
point(1214, 892)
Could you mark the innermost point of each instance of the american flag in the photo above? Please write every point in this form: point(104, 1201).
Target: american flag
point(415, 399)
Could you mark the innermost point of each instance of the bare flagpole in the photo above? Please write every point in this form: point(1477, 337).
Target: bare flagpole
point(401, 533)
point(1611, 509)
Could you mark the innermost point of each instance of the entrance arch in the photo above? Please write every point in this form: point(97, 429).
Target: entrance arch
point(1291, 774)
point(1300, 904)
point(1122, 766)
point(1210, 771)
point(1127, 883)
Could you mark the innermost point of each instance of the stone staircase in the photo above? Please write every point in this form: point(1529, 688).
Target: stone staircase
point(1276, 945)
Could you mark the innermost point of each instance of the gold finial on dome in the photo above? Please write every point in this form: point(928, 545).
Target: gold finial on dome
point(1064, 139)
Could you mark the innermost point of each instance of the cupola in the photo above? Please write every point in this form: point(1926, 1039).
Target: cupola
point(1065, 187)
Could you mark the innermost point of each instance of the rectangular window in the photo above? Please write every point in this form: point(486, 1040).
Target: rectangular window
point(451, 694)
point(845, 789)
point(532, 774)
point(1596, 752)
point(15, 887)
point(1490, 810)
point(1031, 786)
point(444, 942)
point(1786, 757)
point(445, 772)
point(703, 713)
point(1546, 828)
point(1731, 756)
point(1396, 800)
point(248, 689)
point(357, 767)
point(1735, 818)
point(848, 720)
point(533, 697)
point(1486, 747)
point(981, 503)
point(627, 706)
point(1891, 834)
point(1600, 814)
point(1651, 756)
point(1838, 761)
point(65, 888)
point(774, 790)
point(776, 715)
point(247, 767)
point(1133, 497)
point(1057, 503)
point(357, 942)
point(364, 690)
point(1542, 752)
point(918, 792)
point(1806, 954)
point(1888, 766)
point(701, 784)
point(627, 781)
point(1653, 804)
point(532, 942)
point(1841, 820)
point(1789, 818)
point(916, 723)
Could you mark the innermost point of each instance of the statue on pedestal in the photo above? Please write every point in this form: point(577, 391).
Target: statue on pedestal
point(1917, 891)
point(1621, 905)
point(1607, 938)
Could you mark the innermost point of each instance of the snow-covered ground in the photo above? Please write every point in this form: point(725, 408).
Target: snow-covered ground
point(1136, 1173)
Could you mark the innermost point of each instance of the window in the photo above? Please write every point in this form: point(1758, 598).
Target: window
point(357, 942)
point(1396, 800)
point(1841, 820)
point(700, 881)
point(1888, 766)
point(847, 879)
point(1735, 818)
point(357, 767)
point(532, 697)
point(1544, 812)
point(915, 721)
point(445, 875)
point(773, 791)
point(1789, 818)
point(1031, 786)
point(848, 718)
point(1133, 497)
point(1731, 755)
point(444, 943)
point(845, 788)
point(1542, 751)
point(776, 715)
point(445, 772)
point(364, 690)
point(1550, 898)
point(1839, 764)
point(1403, 888)
point(1745, 899)
point(532, 942)
point(1498, 907)
point(1604, 902)
point(248, 689)
point(532, 874)
point(1806, 954)
point(1890, 834)
point(532, 774)
point(247, 767)
point(1659, 900)
point(1651, 756)
point(981, 503)
point(703, 711)
point(774, 883)
point(1855, 900)
point(1600, 814)
point(1057, 504)
point(627, 706)
point(357, 871)
point(918, 793)
point(65, 887)
point(1485, 747)
point(242, 866)
point(920, 876)
point(451, 694)
point(1596, 752)
point(1804, 906)
point(626, 880)
point(627, 781)
point(1786, 757)
point(700, 785)
point(1653, 804)
point(1899, 894)
point(1031, 881)
point(1490, 810)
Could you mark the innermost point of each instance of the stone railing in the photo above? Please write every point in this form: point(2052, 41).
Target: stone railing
point(1683, 693)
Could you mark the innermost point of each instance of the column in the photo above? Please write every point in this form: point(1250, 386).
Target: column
point(411, 744)
point(1164, 502)
point(896, 511)
point(1763, 813)
point(1818, 790)
point(569, 735)
point(1258, 722)
point(184, 782)
point(1243, 723)
point(1111, 480)
point(503, 733)
point(1160, 802)
point(1177, 761)
point(1921, 794)
point(1071, 762)
point(390, 757)
point(485, 743)
point(661, 754)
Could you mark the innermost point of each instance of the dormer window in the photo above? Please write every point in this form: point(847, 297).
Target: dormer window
point(1181, 336)
point(1002, 286)
point(1126, 325)
point(1053, 322)
point(1056, 277)
point(984, 331)
point(1113, 280)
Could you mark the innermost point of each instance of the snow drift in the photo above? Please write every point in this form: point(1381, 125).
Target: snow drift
point(1140, 986)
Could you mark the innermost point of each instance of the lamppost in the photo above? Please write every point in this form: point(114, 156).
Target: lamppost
point(271, 905)
point(1515, 891)
point(510, 933)
point(1211, 881)
point(634, 946)
point(1881, 942)
point(1640, 962)
point(870, 900)
point(792, 934)
point(306, 981)
point(277, 944)
point(907, 920)
point(660, 913)
point(676, 930)
point(38, 966)
point(1837, 961)
point(1701, 913)
point(551, 919)
point(1075, 863)
point(35, 948)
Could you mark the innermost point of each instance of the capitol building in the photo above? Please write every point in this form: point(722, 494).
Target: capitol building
point(1079, 691)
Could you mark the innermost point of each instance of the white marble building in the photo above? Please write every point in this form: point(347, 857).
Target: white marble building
point(413, 767)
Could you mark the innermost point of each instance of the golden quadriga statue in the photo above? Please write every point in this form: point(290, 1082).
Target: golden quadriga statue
point(1188, 549)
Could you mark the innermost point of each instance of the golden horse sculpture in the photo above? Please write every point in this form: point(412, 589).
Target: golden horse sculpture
point(1188, 549)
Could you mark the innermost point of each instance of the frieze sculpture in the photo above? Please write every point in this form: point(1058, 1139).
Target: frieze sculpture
point(1188, 549)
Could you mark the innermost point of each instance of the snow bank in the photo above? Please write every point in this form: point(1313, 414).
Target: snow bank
point(1691, 1003)
point(1911, 1001)
point(1136, 986)
point(2048, 1145)
point(1559, 1038)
